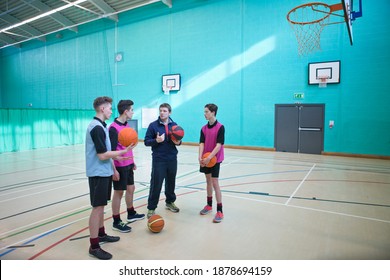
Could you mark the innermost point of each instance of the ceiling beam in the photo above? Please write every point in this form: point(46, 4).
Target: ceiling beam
point(26, 28)
point(8, 40)
point(105, 8)
point(56, 16)
point(167, 2)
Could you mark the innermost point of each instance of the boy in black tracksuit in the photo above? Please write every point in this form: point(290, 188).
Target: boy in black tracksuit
point(164, 160)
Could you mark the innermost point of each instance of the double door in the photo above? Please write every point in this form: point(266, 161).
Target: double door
point(299, 128)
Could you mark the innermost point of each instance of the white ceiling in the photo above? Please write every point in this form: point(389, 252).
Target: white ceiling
point(25, 20)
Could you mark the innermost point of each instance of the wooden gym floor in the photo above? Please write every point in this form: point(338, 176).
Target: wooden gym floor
point(278, 206)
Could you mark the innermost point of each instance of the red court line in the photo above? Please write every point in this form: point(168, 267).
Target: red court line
point(224, 186)
point(83, 229)
point(310, 180)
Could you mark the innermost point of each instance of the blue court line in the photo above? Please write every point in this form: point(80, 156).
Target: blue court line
point(296, 197)
point(39, 181)
point(310, 198)
point(265, 173)
point(249, 175)
point(227, 191)
point(32, 240)
point(44, 206)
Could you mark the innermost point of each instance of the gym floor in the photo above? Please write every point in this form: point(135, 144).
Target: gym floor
point(277, 206)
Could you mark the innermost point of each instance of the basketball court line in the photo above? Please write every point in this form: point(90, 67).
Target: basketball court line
point(40, 192)
point(27, 241)
point(192, 172)
point(50, 231)
point(62, 216)
point(307, 198)
point(237, 197)
point(67, 238)
point(56, 229)
point(198, 174)
point(330, 163)
point(43, 222)
point(41, 235)
point(232, 191)
point(59, 165)
point(37, 181)
point(311, 209)
point(293, 197)
point(300, 184)
point(195, 170)
point(43, 206)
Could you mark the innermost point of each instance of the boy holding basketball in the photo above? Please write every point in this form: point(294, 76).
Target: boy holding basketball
point(212, 139)
point(123, 179)
point(164, 160)
point(99, 170)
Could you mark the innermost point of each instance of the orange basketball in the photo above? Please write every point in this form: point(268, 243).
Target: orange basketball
point(128, 136)
point(156, 223)
point(212, 162)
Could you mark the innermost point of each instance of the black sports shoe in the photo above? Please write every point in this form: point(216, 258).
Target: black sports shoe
point(121, 226)
point(108, 238)
point(135, 217)
point(99, 253)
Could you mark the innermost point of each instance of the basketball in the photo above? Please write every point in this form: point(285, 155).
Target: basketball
point(212, 162)
point(127, 136)
point(156, 223)
point(177, 133)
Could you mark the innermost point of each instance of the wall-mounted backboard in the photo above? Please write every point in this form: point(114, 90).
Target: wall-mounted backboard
point(320, 70)
point(171, 82)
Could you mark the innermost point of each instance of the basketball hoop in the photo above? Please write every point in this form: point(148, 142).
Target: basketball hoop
point(308, 21)
point(167, 89)
point(323, 80)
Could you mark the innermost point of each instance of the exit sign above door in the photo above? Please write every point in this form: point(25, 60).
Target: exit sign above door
point(299, 95)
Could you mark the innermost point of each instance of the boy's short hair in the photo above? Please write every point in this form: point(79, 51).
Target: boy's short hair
point(100, 101)
point(124, 105)
point(212, 107)
point(166, 105)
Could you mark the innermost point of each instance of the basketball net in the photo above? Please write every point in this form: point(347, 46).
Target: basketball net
point(323, 80)
point(308, 21)
point(167, 89)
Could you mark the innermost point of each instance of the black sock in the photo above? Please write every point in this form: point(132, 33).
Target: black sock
point(131, 211)
point(210, 201)
point(94, 243)
point(116, 218)
point(102, 231)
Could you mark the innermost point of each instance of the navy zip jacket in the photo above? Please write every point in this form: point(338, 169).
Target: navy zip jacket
point(164, 151)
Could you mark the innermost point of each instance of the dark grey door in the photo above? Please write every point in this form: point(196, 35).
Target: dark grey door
point(286, 128)
point(299, 128)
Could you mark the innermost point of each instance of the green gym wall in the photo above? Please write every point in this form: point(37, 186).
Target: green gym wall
point(239, 54)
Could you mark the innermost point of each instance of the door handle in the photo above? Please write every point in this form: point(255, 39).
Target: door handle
point(309, 129)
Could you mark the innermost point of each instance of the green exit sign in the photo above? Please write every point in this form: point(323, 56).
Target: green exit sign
point(299, 95)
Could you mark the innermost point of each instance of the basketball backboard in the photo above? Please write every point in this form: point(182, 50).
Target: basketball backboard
point(348, 17)
point(171, 82)
point(328, 69)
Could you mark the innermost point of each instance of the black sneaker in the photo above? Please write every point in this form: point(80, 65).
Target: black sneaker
point(135, 217)
point(108, 238)
point(99, 253)
point(121, 226)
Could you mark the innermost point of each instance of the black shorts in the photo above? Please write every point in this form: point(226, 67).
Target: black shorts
point(99, 190)
point(213, 170)
point(126, 178)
